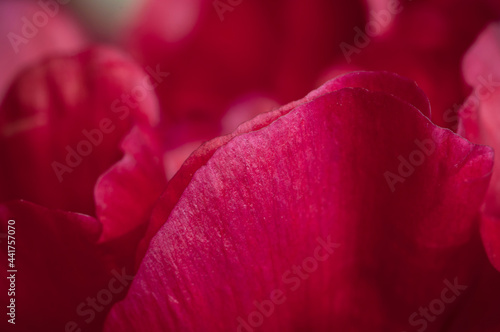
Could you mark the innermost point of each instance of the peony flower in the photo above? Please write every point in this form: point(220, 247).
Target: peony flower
point(347, 210)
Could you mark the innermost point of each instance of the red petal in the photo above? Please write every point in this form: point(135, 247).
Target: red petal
point(125, 194)
point(52, 109)
point(59, 266)
point(258, 201)
point(479, 313)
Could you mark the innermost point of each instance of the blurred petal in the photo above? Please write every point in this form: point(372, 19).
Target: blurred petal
point(422, 40)
point(480, 123)
point(58, 267)
point(32, 31)
point(107, 19)
point(479, 312)
point(278, 47)
point(61, 125)
point(490, 230)
point(162, 24)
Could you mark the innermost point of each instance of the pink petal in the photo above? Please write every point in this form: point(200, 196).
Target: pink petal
point(264, 199)
point(482, 57)
point(480, 123)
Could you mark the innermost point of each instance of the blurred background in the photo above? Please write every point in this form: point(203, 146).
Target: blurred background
point(229, 60)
